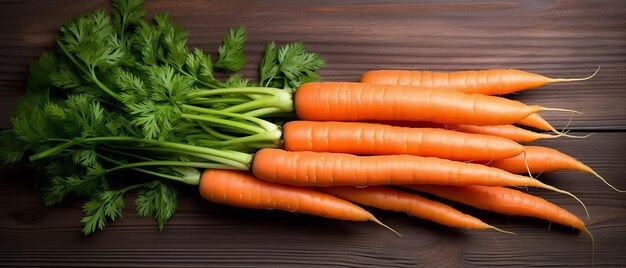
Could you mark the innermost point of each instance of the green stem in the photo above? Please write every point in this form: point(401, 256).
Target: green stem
point(203, 136)
point(187, 180)
point(231, 123)
point(283, 98)
point(264, 124)
point(215, 133)
point(126, 154)
point(222, 155)
point(103, 86)
point(258, 103)
point(168, 163)
point(231, 163)
point(273, 136)
point(217, 83)
point(264, 111)
point(208, 101)
point(241, 90)
point(90, 72)
point(54, 150)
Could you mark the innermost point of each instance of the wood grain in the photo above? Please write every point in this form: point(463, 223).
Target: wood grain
point(555, 38)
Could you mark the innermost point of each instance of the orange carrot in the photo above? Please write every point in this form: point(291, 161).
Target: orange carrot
point(536, 121)
point(505, 201)
point(399, 201)
point(543, 159)
point(242, 189)
point(380, 139)
point(488, 82)
point(510, 132)
point(338, 169)
point(343, 101)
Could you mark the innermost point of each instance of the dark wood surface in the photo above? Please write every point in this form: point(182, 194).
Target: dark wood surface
point(555, 38)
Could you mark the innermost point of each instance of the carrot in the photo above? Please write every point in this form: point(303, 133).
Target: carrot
point(488, 82)
point(536, 121)
point(510, 132)
point(343, 101)
point(543, 159)
point(338, 169)
point(242, 189)
point(381, 139)
point(506, 201)
point(399, 201)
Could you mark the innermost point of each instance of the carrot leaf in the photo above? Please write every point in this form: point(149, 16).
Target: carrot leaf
point(107, 205)
point(231, 56)
point(289, 66)
point(157, 199)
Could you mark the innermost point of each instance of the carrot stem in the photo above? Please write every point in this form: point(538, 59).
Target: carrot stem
point(241, 160)
point(264, 124)
point(224, 100)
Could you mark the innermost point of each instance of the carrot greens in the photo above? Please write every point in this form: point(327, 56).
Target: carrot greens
point(122, 94)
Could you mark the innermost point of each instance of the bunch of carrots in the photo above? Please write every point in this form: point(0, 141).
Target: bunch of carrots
point(128, 95)
point(382, 141)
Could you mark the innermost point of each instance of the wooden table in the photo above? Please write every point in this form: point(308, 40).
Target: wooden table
point(555, 38)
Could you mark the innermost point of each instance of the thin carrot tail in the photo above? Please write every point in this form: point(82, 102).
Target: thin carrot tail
point(556, 80)
point(547, 126)
point(565, 132)
point(593, 172)
point(530, 174)
point(552, 188)
point(558, 110)
point(593, 244)
point(500, 230)
point(374, 219)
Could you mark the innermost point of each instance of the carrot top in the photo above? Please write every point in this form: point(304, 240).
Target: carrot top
point(120, 94)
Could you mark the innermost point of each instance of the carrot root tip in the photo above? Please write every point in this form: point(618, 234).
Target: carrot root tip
point(593, 172)
point(559, 110)
point(566, 134)
point(593, 243)
point(374, 219)
point(556, 80)
point(500, 230)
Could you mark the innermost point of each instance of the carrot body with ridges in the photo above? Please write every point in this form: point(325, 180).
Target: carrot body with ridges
point(505, 201)
point(399, 201)
point(380, 139)
point(338, 169)
point(343, 101)
point(488, 82)
point(541, 159)
point(242, 189)
point(510, 132)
